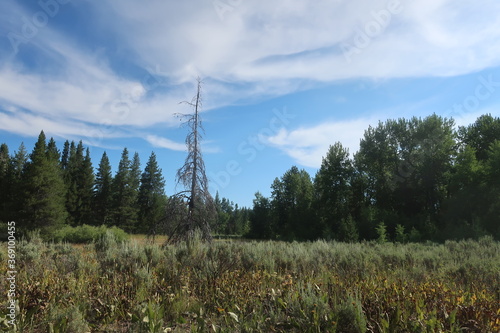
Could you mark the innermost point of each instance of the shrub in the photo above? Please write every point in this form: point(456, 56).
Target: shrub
point(87, 234)
point(350, 317)
point(67, 320)
point(66, 258)
point(400, 234)
point(381, 233)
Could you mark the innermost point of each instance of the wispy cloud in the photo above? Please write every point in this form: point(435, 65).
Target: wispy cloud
point(259, 49)
point(160, 142)
point(261, 40)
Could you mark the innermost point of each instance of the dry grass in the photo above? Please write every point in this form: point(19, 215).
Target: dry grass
point(146, 240)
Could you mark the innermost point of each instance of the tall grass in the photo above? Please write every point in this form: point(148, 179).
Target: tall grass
point(116, 285)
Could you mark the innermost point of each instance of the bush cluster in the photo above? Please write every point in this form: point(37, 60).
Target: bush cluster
point(86, 234)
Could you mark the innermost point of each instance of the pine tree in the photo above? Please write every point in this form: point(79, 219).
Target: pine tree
point(151, 199)
point(71, 191)
point(86, 189)
point(52, 151)
point(65, 155)
point(79, 182)
point(102, 192)
point(135, 173)
point(15, 184)
point(4, 181)
point(124, 195)
point(45, 190)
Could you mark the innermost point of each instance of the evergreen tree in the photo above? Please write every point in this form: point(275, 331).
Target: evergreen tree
point(71, 168)
point(103, 194)
point(124, 195)
point(151, 199)
point(79, 182)
point(15, 184)
point(86, 189)
point(65, 155)
point(224, 212)
point(242, 220)
point(219, 224)
point(52, 151)
point(230, 219)
point(4, 182)
point(135, 173)
point(45, 190)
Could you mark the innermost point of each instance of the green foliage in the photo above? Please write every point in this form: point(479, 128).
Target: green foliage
point(481, 135)
point(350, 317)
point(44, 190)
point(125, 193)
point(419, 176)
point(15, 186)
point(151, 198)
point(348, 231)
point(87, 234)
point(148, 318)
point(66, 320)
point(103, 195)
point(261, 226)
point(79, 179)
point(4, 182)
point(400, 235)
point(381, 233)
point(333, 193)
point(292, 206)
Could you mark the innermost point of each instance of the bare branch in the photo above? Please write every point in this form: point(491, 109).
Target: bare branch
point(198, 209)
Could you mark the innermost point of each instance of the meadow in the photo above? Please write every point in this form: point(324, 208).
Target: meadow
point(249, 286)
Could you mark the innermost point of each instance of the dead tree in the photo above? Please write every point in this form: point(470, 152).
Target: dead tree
point(191, 210)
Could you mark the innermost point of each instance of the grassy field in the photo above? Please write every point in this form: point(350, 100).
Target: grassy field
point(237, 286)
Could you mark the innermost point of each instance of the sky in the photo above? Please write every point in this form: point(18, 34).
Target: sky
point(282, 80)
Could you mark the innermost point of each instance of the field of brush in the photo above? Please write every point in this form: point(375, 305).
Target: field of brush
point(244, 286)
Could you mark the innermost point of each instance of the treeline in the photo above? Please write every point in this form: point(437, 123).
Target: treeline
point(411, 180)
point(49, 189)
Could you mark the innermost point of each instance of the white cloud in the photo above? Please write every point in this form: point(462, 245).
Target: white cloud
point(262, 41)
point(308, 145)
point(24, 123)
point(255, 49)
point(160, 142)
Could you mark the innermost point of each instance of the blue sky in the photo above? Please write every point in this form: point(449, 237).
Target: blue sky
point(282, 79)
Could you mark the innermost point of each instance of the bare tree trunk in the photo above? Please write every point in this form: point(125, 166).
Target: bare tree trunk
point(200, 207)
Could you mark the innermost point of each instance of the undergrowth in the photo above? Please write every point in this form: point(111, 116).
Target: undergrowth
point(115, 285)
